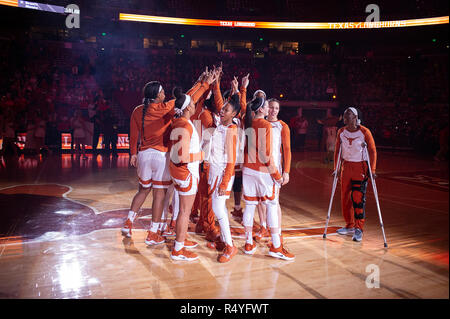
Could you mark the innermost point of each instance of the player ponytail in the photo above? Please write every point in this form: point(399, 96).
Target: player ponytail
point(252, 106)
point(180, 98)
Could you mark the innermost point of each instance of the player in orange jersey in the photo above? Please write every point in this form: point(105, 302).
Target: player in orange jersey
point(149, 124)
point(185, 157)
point(261, 177)
point(281, 147)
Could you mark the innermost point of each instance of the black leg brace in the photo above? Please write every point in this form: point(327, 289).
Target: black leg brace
point(359, 186)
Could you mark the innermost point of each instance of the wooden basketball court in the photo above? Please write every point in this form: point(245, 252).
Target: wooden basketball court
point(60, 236)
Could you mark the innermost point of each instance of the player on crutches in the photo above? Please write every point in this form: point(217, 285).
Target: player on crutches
point(356, 162)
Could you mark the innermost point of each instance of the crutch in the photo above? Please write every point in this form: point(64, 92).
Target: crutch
point(333, 190)
point(375, 192)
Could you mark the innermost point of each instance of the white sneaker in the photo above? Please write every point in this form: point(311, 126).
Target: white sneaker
point(126, 229)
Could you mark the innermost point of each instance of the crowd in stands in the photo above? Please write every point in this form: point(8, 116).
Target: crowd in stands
point(404, 100)
point(303, 78)
point(41, 92)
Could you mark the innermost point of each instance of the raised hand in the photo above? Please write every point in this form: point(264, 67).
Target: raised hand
point(234, 85)
point(220, 69)
point(201, 77)
point(210, 77)
point(245, 80)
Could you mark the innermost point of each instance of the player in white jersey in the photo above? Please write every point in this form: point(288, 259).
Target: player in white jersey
point(354, 171)
point(222, 158)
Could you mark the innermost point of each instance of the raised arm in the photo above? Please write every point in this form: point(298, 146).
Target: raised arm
point(243, 95)
point(209, 78)
point(218, 99)
point(230, 149)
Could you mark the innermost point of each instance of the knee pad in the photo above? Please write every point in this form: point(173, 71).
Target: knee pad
point(248, 215)
point(272, 214)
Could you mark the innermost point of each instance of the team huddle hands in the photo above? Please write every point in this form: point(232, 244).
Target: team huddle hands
point(241, 148)
point(228, 122)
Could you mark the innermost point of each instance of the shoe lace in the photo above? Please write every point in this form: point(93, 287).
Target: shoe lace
point(284, 250)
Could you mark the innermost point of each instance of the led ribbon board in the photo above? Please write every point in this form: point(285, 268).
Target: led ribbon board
point(11, 3)
point(286, 25)
point(35, 6)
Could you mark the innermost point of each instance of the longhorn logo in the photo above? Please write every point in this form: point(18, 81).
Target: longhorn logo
point(350, 140)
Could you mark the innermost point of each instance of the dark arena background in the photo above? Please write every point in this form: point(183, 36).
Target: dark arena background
point(62, 208)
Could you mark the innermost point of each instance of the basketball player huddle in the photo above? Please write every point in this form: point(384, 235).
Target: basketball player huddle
point(197, 148)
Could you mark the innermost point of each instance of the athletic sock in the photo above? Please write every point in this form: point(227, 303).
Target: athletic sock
point(279, 231)
point(178, 245)
point(162, 226)
point(131, 215)
point(264, 224)
point(154, 228)
point(276, 240)
point(225, 231)
point(249, 238)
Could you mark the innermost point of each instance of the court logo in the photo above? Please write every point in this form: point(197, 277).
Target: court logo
point(373, 279)
point(73, 17)
point(374, 11)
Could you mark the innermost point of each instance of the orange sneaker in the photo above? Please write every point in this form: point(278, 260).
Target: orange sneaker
point(249, 249)
point(228, 253)
point(183, 254)
point(190, 244)
point(281, 253)
point(154, 239)
point(126, 229)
